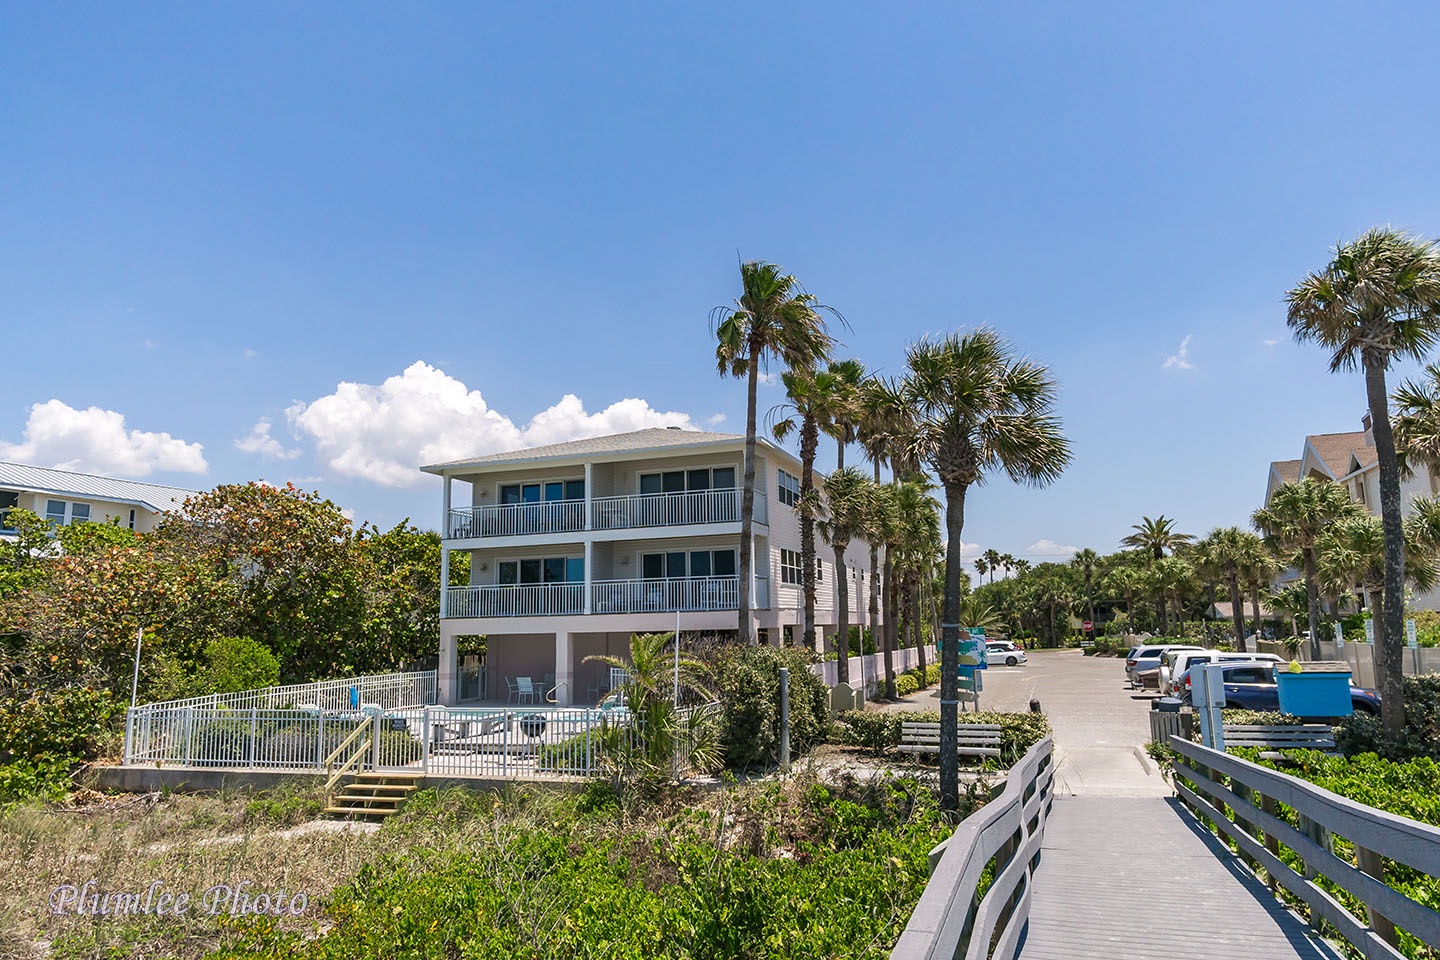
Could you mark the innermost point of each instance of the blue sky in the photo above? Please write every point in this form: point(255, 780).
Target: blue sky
point(327, 242)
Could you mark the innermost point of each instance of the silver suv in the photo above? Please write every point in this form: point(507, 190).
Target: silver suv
point(1147, 658)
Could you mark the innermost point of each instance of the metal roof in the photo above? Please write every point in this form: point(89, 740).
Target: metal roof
point(30, 479)
point(653, 438)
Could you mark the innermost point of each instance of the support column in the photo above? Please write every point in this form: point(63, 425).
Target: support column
point(589, 565)
point(445, 482)
point(444, 580)
point(589, 500)
point(447, 670)
point(564, 669)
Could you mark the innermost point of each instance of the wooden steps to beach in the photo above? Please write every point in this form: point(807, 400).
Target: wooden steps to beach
point(373, 795)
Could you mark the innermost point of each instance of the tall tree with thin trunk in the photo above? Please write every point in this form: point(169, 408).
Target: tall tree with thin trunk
point(810, 403)
point(994, 560)
point(1294, 518)
point(1231, 549)
point(772, 319)
point(882, 421)
point(1157, 536)
point(978, 410)
point(847, 508)
point(1259, 571)
point(1351, 553)
point(1085, 561)
point(848, 376)
point(1377, 301)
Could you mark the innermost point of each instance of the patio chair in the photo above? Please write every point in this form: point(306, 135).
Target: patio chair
point(525, 692)
point(512, 688)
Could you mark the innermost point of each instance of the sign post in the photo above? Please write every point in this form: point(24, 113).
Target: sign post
point(1339, 636)
point(1087, 626)
point(1370, 631)
point(1411, 640)
point(1208, 694)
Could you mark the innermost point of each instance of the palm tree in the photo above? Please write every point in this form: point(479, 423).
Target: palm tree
point(848, 505)
point(982, 566)
point(848, 378)
point(773, 318)
point(1053, 594)
point(651, 693)
point(1351, 551)
point(1085, 561)
point(1293, 520)
point(1375, 302)
point(1156, 535)
point(811, 396)
point(1258, 569)
point(1231, 549)
point(917, 550)
point(978, 410)
point(1125, 581)
point(1417, 422)
point(882, 529)
point(995, 560)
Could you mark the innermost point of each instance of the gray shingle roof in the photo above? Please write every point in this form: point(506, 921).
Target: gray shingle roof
point(152, 496)
point(653, 438)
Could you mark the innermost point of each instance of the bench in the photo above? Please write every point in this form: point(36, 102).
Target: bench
point(974, 739)
point(1273, 740)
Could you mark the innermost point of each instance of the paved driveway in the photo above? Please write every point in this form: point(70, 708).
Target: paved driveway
point(1100, 726)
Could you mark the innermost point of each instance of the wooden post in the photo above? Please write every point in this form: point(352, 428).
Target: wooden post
point(1272, 842)
point(1373, 864)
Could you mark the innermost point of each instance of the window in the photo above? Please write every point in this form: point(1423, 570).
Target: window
point(677, 564)
point(789, 565)
point(681, 481)
point(549, 491)
point(545, 570)
point(1248, 675)
point(1360, 489)
point(55, 511)
point(79, 512)
point(8, 501)
point(789, 489)
point(132, 519)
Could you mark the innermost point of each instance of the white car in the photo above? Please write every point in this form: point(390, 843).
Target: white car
point(1174, 664)
point(1003, 651)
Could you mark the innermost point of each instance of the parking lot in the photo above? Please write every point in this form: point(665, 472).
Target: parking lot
point(1100, 725)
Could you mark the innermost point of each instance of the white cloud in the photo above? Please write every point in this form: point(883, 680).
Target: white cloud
point(1180, 359)
point(1272, 342)
point(715, 420)
point(259, 441)
point(250, 353)
point(96, 441)
point(1048, 549)
point(767, 379)
point(423, 415)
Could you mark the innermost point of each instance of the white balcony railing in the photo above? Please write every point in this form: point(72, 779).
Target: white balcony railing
point(682, 594)
point(525, 600)
point(517, 519)
point(671, 509)
point(665, 596)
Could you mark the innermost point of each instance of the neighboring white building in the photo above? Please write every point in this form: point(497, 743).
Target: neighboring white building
point(63, 496)
point(575, 546)
point(1350, 459)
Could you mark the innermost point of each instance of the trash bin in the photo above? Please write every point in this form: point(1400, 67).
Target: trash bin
point(1167, 704)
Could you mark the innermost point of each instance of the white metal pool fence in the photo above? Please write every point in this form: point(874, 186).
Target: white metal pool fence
point(388, 691)
point(429, 740)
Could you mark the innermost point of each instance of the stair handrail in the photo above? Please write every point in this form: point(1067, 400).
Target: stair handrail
point(550, 697)
point(354, 757)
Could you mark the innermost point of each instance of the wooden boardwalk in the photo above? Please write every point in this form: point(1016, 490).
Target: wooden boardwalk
point(1136, 877)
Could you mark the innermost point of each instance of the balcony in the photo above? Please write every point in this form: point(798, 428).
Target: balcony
point(517, 519)
point(679, 595)
point(526, 600)
point(630, 512)
point(671, 509)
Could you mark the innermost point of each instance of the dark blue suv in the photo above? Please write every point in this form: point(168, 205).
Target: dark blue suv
point(1251, 686)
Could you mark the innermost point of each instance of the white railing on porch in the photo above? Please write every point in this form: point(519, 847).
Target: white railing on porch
point(665, 596)
point(517, 519)
point(521, 600)
point(671, 509)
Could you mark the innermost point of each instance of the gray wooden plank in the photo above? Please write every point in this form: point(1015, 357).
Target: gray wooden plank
point(1134, 877)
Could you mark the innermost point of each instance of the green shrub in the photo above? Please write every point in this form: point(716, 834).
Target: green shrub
point(22, 780)
point(879, 731)
point(47, 726)
point(750, 712)
point(907, 683)
point(233, 664)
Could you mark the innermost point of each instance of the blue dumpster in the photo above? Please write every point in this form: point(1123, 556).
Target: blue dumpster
point(1314, 694)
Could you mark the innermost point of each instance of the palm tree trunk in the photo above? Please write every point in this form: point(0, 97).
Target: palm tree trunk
point(1312, 596)
point(914, 592)
point(1388, 644)
point(1237, 612)
point(1090, 604)
point(874, 610)
point(950, 650)
point(747, 503)
point(809, 440)
point(1255, 604)
point(842, 603)
point(839, 453)
point(889, 631)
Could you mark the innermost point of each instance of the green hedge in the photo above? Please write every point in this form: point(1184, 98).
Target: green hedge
point(879, 731)
point(750, 711)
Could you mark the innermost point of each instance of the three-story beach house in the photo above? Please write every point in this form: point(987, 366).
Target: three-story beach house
point(573, 547)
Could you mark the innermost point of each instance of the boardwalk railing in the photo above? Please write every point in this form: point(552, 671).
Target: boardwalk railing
point(1265, 813)
point(954, 919)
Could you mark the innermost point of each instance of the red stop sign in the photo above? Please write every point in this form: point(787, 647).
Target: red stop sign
point(1087, 626)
